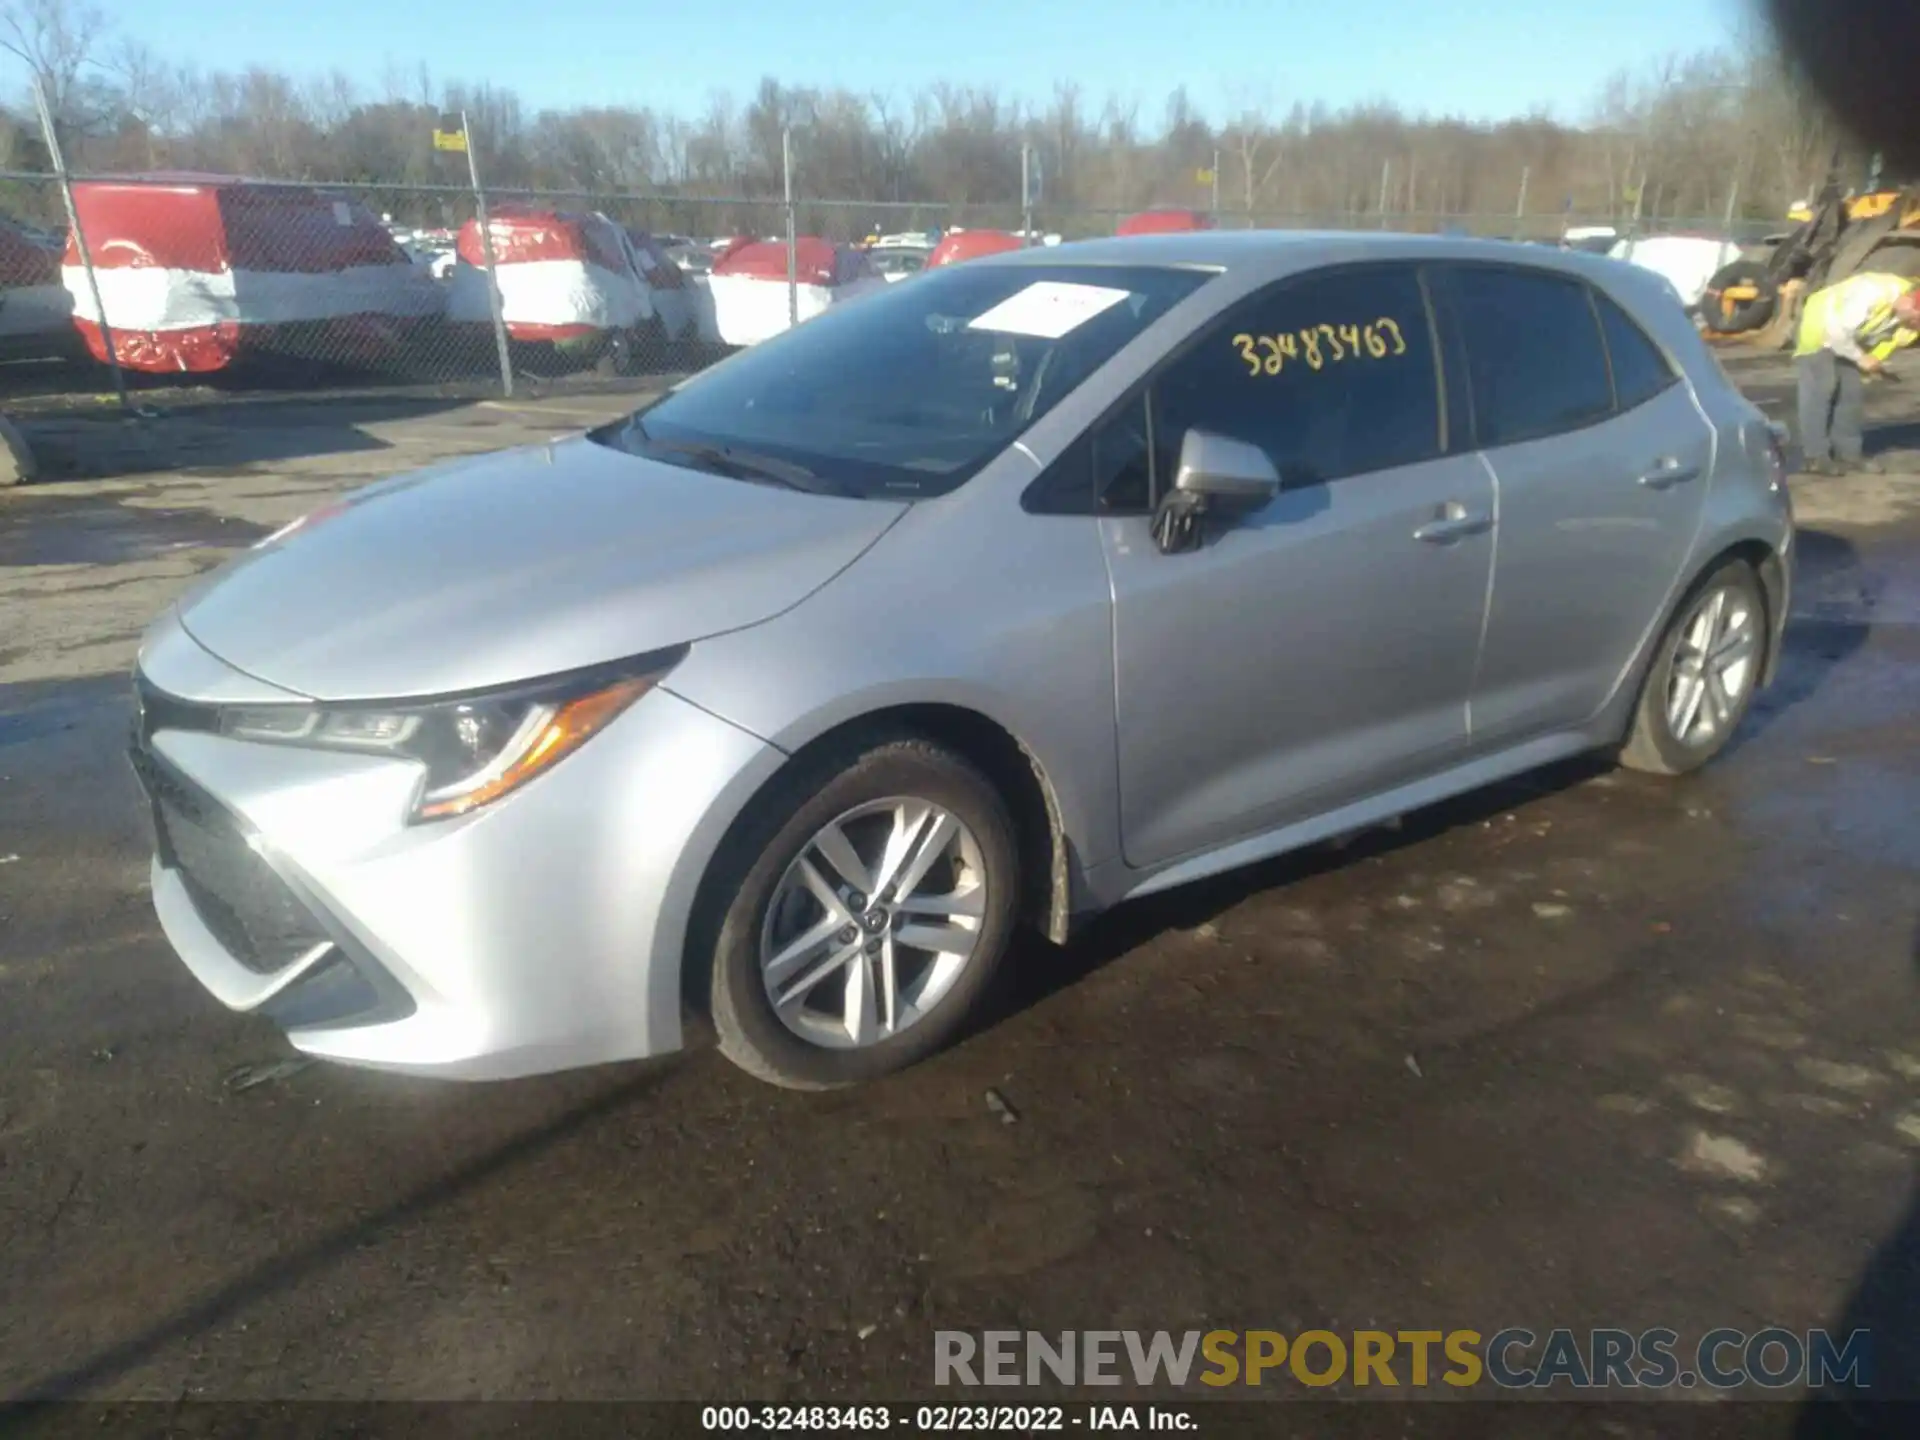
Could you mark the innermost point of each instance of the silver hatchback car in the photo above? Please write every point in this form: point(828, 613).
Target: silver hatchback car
point(1047, 581)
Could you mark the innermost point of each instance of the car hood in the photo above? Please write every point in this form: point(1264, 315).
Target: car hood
point(522, 564)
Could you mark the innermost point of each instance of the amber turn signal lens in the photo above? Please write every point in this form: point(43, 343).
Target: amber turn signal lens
point(549, 738)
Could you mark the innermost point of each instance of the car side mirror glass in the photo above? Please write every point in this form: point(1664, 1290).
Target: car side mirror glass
point(1216, 475)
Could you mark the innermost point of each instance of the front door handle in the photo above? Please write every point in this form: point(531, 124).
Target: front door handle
point(1668, 473)
point(1453, 522)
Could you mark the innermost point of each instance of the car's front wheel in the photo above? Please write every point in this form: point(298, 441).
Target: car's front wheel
point(1704, 674)
point(876, 894)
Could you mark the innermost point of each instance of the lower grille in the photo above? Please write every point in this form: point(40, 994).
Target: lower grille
point(249, 909)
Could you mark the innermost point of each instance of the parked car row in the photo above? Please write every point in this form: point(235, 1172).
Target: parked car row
point(193, 273)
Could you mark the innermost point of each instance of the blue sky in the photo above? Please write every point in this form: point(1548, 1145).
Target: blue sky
point(1479, 58)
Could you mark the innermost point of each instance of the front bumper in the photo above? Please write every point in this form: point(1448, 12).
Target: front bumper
point(543, 932)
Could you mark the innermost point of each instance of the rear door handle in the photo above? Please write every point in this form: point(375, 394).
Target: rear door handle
point(1668, 473)
point(1454, 522)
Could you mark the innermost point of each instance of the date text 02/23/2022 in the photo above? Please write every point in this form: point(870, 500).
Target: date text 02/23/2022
point(944, 1419)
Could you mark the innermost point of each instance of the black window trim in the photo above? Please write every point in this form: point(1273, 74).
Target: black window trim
point(1595, 296)
point(1150, 417)
point(1048, 494)
point(1036, 496)
point(1439, 303)
point(1606, 350)
point(1451, 267)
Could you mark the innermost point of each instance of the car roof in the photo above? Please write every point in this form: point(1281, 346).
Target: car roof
point(1253, 252)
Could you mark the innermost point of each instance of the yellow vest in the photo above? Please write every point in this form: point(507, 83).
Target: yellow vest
point(1880, 336)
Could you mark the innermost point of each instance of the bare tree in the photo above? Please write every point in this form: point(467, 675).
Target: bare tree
point(58, 41)
point(1692, 126)
point(153, 98)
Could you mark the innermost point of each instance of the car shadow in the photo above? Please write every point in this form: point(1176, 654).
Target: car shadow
point(1038, 969)
point(1904, 436)
point(1885, 1303)
point(1819, 637)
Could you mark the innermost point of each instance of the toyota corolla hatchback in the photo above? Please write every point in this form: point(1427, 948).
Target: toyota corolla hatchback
point(995, 599)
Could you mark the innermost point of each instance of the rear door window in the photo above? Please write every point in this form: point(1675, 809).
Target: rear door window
point(1535, 358)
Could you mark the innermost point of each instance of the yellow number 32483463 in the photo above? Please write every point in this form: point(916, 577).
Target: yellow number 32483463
point(1320, 346)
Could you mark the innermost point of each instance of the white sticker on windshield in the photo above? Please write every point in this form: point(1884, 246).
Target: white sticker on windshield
point(1048, 309)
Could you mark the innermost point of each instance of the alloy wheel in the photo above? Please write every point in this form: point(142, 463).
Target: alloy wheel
point(873, 922)
point(1714, 665)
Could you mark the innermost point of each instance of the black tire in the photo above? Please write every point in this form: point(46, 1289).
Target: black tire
point(1651, 745)
point(1745, 315)
point(616, 355)
point(650, 350)
point(813, 792)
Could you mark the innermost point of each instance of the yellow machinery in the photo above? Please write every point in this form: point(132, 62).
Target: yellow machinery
point(1756, 299)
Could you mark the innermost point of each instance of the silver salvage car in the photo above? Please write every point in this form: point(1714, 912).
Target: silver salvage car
point(1044, 582)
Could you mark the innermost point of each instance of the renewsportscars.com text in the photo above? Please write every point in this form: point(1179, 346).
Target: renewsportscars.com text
point(1511, 1359)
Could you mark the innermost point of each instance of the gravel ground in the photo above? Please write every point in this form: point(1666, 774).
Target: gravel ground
point(1585, 1050)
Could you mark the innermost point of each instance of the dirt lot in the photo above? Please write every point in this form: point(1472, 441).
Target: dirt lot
point(1589, 1050)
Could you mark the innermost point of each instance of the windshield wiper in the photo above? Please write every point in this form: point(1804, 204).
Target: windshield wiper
point(747, 465)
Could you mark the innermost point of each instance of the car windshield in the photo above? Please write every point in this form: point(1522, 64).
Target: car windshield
point(911, 390)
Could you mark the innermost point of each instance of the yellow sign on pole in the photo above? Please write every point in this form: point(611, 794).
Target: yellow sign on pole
point(450, 140)
point(1205, 177)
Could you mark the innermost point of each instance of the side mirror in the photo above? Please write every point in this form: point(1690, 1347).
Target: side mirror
point(1229, 474)
point(1217, 475)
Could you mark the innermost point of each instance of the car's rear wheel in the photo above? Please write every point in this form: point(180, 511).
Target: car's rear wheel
point(876, 895)
point(1704, 674)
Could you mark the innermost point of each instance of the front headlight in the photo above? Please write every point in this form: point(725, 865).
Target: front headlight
point(473, 749)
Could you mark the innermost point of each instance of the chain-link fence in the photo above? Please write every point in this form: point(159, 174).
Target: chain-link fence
point(855, 220)
point(171, 280)
point(180, 280)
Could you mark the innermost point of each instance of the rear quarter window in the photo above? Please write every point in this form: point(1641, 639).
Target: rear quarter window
point(1640, 370)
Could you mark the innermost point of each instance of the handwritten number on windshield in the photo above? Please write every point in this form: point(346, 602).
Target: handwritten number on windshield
point(1320, 346)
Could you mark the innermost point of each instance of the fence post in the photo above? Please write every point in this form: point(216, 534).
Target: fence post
point(1520, 207)
point(486, 254)
point(793, 232)
point(1633, 224)
point(1026, 194)
point(1213, 176)
point(1733, 195)
point(1386, 174)
point(80, 239)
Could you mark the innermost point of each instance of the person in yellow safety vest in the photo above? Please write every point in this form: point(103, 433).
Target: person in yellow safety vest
point(1847, 331)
